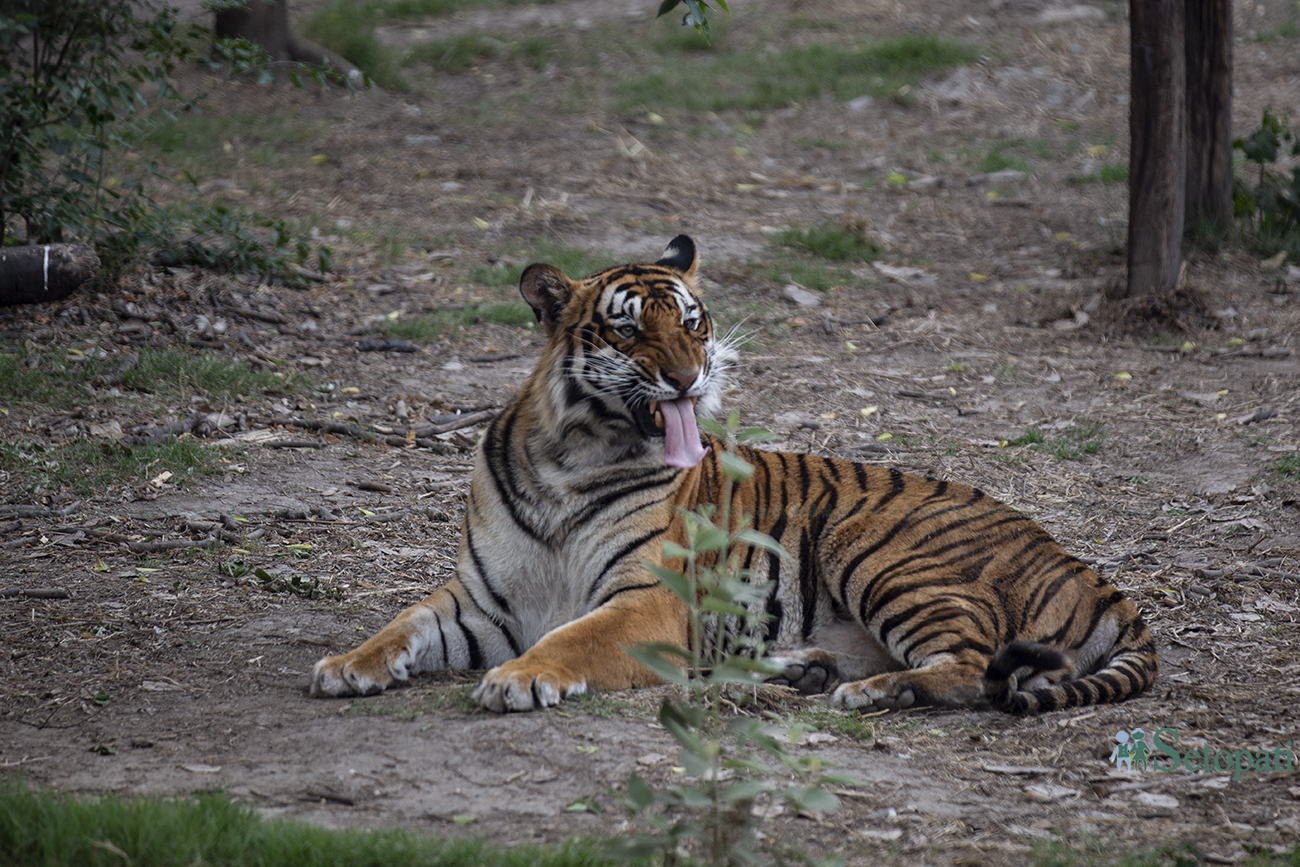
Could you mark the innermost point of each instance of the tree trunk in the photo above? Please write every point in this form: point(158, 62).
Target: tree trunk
point(266, 22)
point(1158, 129)
point(30, 275)
point(1209, 117)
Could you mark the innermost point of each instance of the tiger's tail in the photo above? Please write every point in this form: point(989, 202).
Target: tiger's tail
point(1131, 668)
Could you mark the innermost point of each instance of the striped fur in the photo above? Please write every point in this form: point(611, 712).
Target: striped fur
point(904, 591)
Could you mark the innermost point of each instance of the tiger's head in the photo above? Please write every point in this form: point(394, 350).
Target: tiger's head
point(632, 354)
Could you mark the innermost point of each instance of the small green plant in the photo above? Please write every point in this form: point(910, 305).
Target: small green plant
point(732, 765)
point(1287, 467)
point(697, 14)
point(1271, 206)
point(1076, 442)
point(211, 234)
point(827, 241)
point(81, 83)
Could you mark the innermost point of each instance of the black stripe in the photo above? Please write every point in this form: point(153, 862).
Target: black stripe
point(481, 569)
point(471, 643)
point(627, 549)
point(501, 469)
point(446, 660)
point(613, 593)
point(807, 584)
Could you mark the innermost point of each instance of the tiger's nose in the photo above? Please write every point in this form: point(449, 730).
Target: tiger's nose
point(683, 379)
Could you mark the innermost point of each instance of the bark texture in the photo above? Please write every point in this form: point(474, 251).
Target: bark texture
point(1209, 117)
point(1158, 157)
point(47, 272)
point(266, 22)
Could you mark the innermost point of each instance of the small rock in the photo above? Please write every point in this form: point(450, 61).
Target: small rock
point(861, 103)
point(1000, 177)
point(885, 836)
point(925, 183)
point(1155, 799)
point(1067, 14)
point(650, 759)
point(112, 430)
point(801, 296)
point(451, 186)
point(422, 141)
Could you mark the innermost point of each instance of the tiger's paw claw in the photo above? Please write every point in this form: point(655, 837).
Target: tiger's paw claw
point(515, 687)
point(349, 674)
point(867, 699)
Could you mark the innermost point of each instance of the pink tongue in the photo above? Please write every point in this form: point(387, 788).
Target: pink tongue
point(681, 436)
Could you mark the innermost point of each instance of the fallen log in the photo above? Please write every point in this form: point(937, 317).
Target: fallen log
point(30, 275)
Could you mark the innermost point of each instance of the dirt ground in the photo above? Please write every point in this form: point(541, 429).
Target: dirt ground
point(192, 676)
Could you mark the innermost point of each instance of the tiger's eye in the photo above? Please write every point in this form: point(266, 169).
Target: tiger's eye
point(625, 331)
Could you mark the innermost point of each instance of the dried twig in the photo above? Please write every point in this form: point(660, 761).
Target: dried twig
point(37, 592)
point(112, 379)
point(461, 421)
point(38, 511)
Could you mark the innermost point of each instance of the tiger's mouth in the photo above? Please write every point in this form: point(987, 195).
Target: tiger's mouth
point(674, 420)
point(657, 415)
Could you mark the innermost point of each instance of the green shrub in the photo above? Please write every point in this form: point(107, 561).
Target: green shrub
point(1271, 206)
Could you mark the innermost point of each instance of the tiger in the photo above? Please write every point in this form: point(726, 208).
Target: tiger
point(902, 591)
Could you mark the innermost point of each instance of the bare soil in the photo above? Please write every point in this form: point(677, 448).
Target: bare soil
point(200, 666)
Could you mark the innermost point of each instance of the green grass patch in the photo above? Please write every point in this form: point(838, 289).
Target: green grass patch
point(38, 829)
point(441, 700)
point(458, 53)
point(827, 241)
point(430, 326)
point(604, 706)
point(58, 378)
point(1287, 467)
point(849, 725)
point(809, 273)
point(740, 77)
point(1075, 443)
point(349, 29)
point(86, 466)
point(1113, 173)
point(1013, 154)
point(195, 141)
point(573, 262)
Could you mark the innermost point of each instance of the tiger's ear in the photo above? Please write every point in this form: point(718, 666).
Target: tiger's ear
point(547, 290)
point(680, 255)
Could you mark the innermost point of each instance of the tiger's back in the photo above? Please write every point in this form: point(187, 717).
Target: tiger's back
point(903, 590)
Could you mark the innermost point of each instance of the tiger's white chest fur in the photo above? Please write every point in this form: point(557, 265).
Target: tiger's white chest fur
point(561, 550)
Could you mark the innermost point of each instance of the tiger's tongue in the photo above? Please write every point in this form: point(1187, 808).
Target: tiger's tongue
point(681, 435)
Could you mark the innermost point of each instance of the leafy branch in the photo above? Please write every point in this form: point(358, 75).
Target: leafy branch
point(737, 768)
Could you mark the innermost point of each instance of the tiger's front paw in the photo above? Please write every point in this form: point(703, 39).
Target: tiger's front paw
point(869, 697)
point(360, 672)
point(520, 685)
